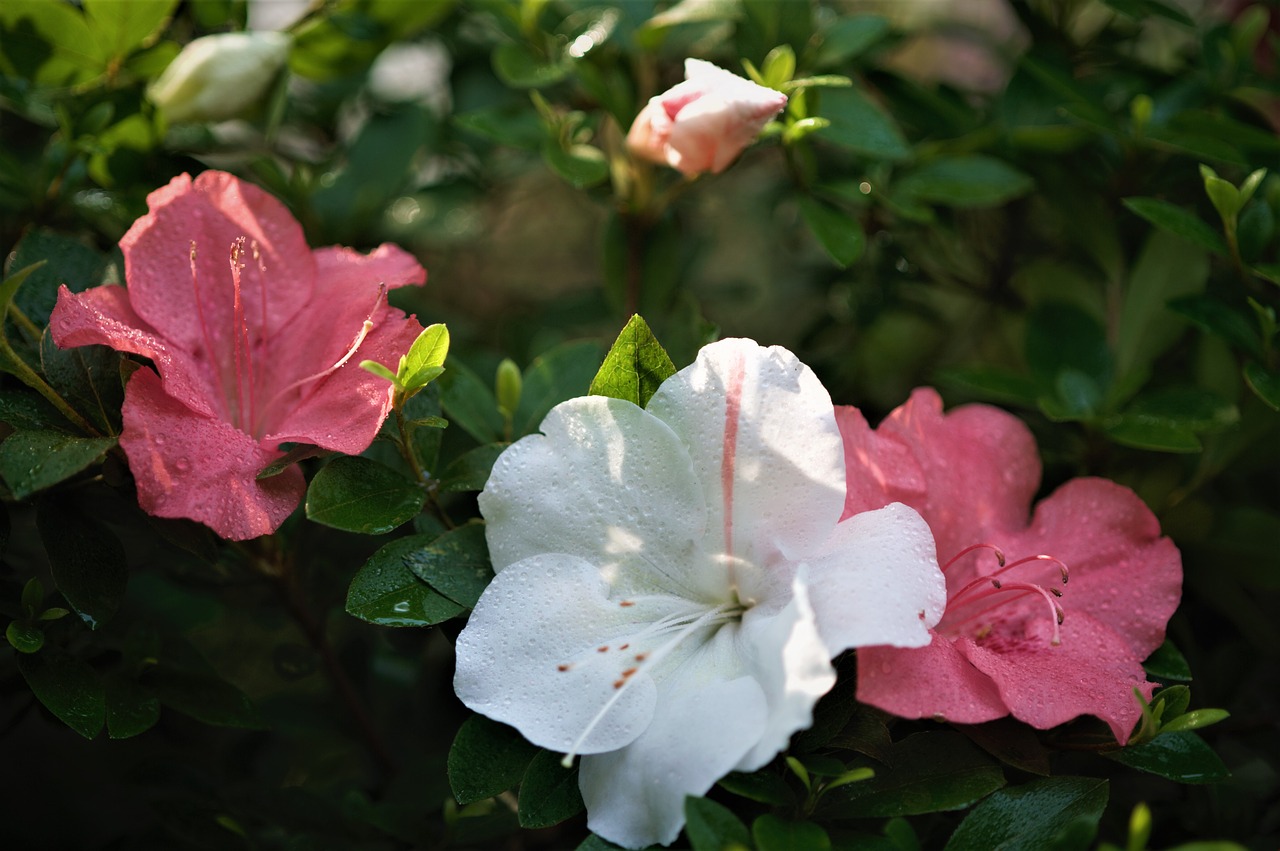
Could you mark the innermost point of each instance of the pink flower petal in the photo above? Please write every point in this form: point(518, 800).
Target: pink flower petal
point(880, 470)
point(927, 682)
point(194, 466)
point(214, 211)
point(1092, 672)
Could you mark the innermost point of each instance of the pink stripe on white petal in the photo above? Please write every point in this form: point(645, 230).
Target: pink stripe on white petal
point(732, 413)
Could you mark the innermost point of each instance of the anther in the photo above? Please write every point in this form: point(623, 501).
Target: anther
point(626, 603)
point(623, 646)
point(603, 649)
point(629, 672)
point(640, 657)
point(564, 667)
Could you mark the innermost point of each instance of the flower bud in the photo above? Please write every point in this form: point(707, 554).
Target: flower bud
point(703, 123)
point(219, 76)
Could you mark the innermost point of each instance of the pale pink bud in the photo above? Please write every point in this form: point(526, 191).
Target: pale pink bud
point(703, 123)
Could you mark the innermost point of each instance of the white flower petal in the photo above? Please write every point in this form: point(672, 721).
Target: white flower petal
point(787, 656)
point(782, 488)
point(530, 656)
point(606, 481)
point(700, 730)
point(880, 581)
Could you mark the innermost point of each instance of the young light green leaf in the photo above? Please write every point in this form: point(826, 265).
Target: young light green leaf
point(379, 370)
point(425, 359)
point(635, 366)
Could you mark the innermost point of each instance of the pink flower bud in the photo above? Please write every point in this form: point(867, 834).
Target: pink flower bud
point(703, 123)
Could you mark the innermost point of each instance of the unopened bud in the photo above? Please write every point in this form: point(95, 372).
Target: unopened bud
point(508, 386)
point(219, 76)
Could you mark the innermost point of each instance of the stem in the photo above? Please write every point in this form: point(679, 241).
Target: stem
point(18, 367)
point(421, 476)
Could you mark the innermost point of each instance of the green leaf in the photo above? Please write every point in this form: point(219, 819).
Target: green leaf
point(131, 711)
point(775, 834)
point(1033, 816)
point(1011, 742)
point(89, 378)
point(470, 471)
point(840, 234)
point(379, 370)
point(929, 772)
point(849, 37)
point(635, 366)
point(31, 461)
point(1183, 757)
point(386, 592)
point(519, 67)
point(861, 126)
point(1171, 419)
point(1141, 9)
point(548, 792)
point(360, 495)
point(713, 827)
point(1264, 383)
point(1167, 268)
point(1166, 663)
point(486, 759)
point(121, 28)
point(68, 687)
point(87, 560)
point(1178, 221)
point(762, 786)
point(67, 261)
point(456, 564)
point(1066, 348)
point(50, 43)
point(563, 372)
point(470, 403)
point(992, 384)
point(184, 681)
point(1195, 720)
point(425, 359)
point(1220, 319)
point(24, 637)
point(581, 166)
point(964, 182)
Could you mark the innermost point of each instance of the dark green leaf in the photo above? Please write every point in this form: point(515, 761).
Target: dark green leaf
point(23, 409)
point(301, 452)
point(867, 734)
point(1141, 9)
point(384, 591)
point(359, 495)
point(1264, 383)
point(775, 834)
point(87, 560)
point(130, 709)
point(634, 367)
point(1178, 221)
point(548, 792)
point(470, 403)
point(581, 166)
point(762, 786)
point(518, 67)
point(184, 681)
point(839, 233)
point(68, 261)
point(561, 373)
point(1033, 816)
point(1220, 319)
point(930, 772)
point(713, 827)
point(68, 688)
point(830, 716)
point(1183, 757)
point(860, 125)
point(848, 37)
point(470, 471)
point(486, 759)
point(992, 384)
point(1011, 742)
point(456, 564)
point(967, 181)
point(1167, 268)
point(89, 378)
point(31, 461)
point(1167, 663)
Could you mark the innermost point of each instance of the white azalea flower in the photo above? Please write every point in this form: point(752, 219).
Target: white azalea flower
point(672, 583)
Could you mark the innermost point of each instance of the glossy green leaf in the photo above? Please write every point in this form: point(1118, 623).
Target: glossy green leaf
point(87, 560)
point(121, 28)
point(763, 786)
point(1195, 720)
point(848, 37)
point(425, 357)
point(963, 182)
point(131, 710)
point(51, 44)
point(1034, 816)
point(184, 681)
point(1183, 757)
point(386, 592)
point(713, 827)
point(1216, 317)
point(1178, 221)
point(1166, 663)
point(470, 403)
point(486, 759)
point(772, 833)
point(470, 471)
point(66, 261)
point(31, 461)
point(87, 377)
point(928, 772)
point(24, 637)
point(456, 564)
point(359, 495)
point(839, 233)
point(1011, 742)
point(68, 687)
point(861, 126)
point(548, 792)
point(635, 366)
point(1264, 383)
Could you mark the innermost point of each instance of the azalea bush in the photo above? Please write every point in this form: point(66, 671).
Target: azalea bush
point(551, 424)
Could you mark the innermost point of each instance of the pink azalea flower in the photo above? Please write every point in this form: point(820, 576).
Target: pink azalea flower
point(1007, 642)
point(703, 123)
point(256, 341)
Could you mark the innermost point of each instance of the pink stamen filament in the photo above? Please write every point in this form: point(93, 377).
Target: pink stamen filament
point(981, 580)
point(999, 553)
point(242, 344)
point(1019, 589)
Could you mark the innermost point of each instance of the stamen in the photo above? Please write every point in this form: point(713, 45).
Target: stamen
point(214, 360)
point(239, 332)
point(956, 598)
point(708, 618)
point(1019, 589)
point(999, 553)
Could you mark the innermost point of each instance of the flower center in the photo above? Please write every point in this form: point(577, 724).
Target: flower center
point(978, 606)
point(647, 648)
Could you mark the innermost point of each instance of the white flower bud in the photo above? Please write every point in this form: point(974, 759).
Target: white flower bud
point(219, 76)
